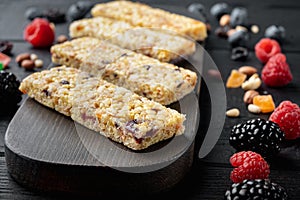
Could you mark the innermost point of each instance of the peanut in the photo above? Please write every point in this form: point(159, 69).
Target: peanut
point(249, 95)
point(234, 112)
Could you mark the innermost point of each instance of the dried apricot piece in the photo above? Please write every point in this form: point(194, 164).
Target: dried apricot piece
point(235, 79)
point(264, 102)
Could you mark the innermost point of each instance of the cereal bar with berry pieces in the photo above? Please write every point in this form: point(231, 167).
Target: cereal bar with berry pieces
point(162, 82)
point(157, 44)
point(142, 15)
point(115, 112)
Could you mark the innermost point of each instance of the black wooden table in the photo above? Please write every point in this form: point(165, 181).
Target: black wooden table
point(209, 176)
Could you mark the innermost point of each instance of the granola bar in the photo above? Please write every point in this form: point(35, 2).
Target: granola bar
point(160, 45)
point(115, 112)
point(142, 15)
point(162, 82)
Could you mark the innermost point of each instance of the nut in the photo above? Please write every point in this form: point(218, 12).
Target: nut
point(38, 63)
point(33, 57)
point(248, 70)
point(242, 28)
point(254, 108)
point(231, 32)
point(249, 95)
point(254, 29)
point(234, 112)
point(27, 64)
point(252, 83)
point(224, 20)
point(22, 56)
point(61, 39)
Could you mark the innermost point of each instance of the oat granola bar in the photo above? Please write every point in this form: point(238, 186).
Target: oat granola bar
point(142, 15)
point(115, 112)
point(160, 45)
point(162, 82)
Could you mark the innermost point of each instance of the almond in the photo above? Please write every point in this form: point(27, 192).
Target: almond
point(27, 64)
point(249, 95)
point(22, 56)
point(248, 70)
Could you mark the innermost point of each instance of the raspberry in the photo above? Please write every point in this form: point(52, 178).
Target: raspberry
point(277, 73)
point(287, 116)
point(249, 165)
point(39, 33)
point(266, 48)
point(256, 189)
point(257, 135)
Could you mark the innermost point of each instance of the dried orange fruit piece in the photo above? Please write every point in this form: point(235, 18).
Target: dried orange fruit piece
point(235, 79)
point(264, 102)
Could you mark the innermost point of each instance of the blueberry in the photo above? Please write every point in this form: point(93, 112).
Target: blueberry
point(239, 16)
point(275, 32)
point(219, 9)
point(33, 12)
point(239, 54)
point(79, 10)
point(55, 15)
point(239, 38)
point(198, 9)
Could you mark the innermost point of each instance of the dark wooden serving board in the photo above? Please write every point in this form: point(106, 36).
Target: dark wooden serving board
point(48, 151)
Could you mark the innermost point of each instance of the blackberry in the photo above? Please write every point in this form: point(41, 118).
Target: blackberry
point(9, 92)
point(258, 135)
point(258, 189)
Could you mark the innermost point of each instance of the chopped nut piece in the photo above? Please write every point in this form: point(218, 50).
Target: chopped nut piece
point(252, 83)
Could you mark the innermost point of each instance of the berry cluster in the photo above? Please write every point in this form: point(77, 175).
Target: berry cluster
point(276, 72)
point(9, 92)
point(287, 116)
point(258, 135)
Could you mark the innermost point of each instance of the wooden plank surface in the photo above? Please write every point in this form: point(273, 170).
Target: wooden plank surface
point(209, 177)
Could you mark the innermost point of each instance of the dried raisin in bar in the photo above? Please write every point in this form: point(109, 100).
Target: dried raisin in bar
point(160, 45)
point(115, 112)
point(162, 82)
point(142, 15)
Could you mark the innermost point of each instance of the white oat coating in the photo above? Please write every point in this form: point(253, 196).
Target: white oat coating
point(142, 15)
point(163, 46)
point(159, 81)
point(115, 112)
